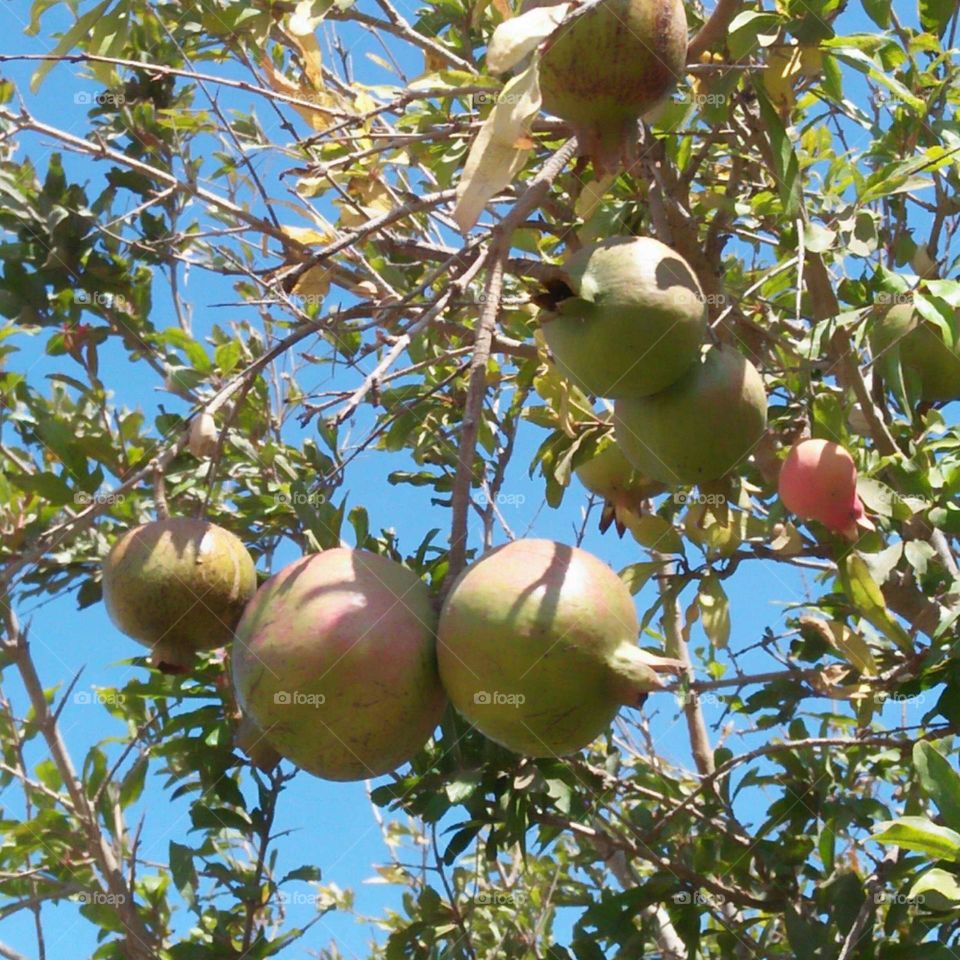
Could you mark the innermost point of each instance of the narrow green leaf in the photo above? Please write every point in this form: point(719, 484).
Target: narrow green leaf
point(922, 835)
point(940, 781)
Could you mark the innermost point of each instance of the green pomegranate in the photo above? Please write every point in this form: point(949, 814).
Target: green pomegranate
point(537, 647)
point(610, 475)
point(624, 489)
point(335, 661)
point(178, 585)
point(700, 428)
point(626, 319)
point(602, 69)
point(924, 357)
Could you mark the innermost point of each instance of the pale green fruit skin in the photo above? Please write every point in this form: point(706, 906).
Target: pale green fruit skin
point(700, 428)
point(335, 661)
point(643, 325)
point(603, 70)
point(610, 475)
point(538, 620)
point(178, 585)
point(922, 351)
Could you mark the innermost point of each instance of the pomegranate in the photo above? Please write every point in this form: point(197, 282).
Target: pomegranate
point(924, 357)
point(335, 661)
point(626, 318)
point(700, 428)
point(818, 481)
point(603, 68)
point(178, 585)
point(537, 647)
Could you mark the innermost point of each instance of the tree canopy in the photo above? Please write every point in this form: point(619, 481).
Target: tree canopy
point(284, 266)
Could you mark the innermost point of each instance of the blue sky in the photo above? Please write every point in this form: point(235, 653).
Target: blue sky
point(329, 825)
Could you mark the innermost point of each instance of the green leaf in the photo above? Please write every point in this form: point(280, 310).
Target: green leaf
point(922, 835)
point(81, 28)
point(935, 14)
point(786, 167)
point(878, 11)
point(940, 781)
point(936, 890)
point(182, 870)
point(637, 574)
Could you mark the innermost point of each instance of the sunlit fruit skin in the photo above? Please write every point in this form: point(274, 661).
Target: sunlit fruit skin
point(818, 481)
point(602, 70)
point(178, 585)
point(531, 640)
point(635, 322)
point(700, 428)
point(335, 661)
point(922, 351)
point(610, 475)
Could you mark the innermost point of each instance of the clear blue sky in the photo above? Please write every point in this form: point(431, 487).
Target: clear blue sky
point(331, 824)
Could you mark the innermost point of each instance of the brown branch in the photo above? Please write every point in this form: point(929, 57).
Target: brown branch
point(139, 943)
point(714, 30)
point(677, 647)
point(496, 257)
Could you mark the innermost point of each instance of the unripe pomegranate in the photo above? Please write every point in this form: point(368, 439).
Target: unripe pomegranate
point(610, 475)
point(700, 428)
point(923, 353)
point(602, 70)
point(537, 647)
point(335, 660)
point(818, 481)
point(178, 585)
point(634, 319)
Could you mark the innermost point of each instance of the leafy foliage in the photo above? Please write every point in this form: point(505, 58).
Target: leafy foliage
point(807, 169)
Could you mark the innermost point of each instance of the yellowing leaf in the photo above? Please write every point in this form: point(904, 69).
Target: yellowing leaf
point(515, 38)
point(494, 158)
point(714, 611)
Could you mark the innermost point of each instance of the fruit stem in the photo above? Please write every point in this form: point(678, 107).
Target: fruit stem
point(635, 674)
